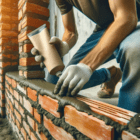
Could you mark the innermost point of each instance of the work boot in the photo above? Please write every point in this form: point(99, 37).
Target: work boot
point(108, 88)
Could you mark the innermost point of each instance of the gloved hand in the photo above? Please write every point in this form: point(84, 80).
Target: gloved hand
point(61, 46)
point(72, 80)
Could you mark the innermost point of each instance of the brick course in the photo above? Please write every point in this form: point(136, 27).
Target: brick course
point(31, 15)
point(37, 116)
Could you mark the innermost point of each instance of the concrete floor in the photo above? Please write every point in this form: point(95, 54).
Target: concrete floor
point(92, 92)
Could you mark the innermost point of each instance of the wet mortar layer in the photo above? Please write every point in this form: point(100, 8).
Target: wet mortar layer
point(29, 68)
point(58, 122)
point(6, 132)
point(44, 88)
point(25, 55)
point(41, 128)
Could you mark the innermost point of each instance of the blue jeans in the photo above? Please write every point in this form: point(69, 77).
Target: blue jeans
point(127, 55)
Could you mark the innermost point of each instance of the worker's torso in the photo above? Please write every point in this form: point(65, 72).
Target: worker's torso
point(97, 10)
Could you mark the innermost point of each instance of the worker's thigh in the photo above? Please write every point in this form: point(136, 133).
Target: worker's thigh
point(128, 55)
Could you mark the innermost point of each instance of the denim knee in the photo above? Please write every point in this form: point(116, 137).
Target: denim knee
point(129, 54)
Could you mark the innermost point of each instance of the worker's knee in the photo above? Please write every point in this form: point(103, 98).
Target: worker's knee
point(130, 52)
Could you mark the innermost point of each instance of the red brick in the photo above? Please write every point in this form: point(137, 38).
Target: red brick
point(42, 136)
point(3, 2)
point(49, 104)
point(13, 56)
point(22, 88)
point(2, 55)
point(24, 133)
point(21, 99)
point(15, 49)
point(2, 87)
point(117, 114)
point(16, 105)
point(21, 110)
point(4, 48)
point(4, 33)
point(31, 123)
point(2, 78)
point(27, 48)
point(5, 64)
point(37, 116)
point(30, 61)
point(7, 26)
point(11, 106)
point(20, 14)
point(33, 137)
point(19, 26)
point(18, 116)
point(16, 95)
point(23, 36)
point(20, 73)
point(14, 83)
point(31, 7)
point(11, 90)
point(3, 40)
point(14, 63)
point(128, 136)
point(87, 124)
point(6, 17)
point(29, 21)
point(8, 79)
point(32, 94)
point(14, 40)
point(8, 2)
point(13, 118)
point(20, 3)
point(32, 74)
point(3, 96)
point(28, 106)
point(6, 85)
point(8, 9)
point(57, 132)
point(1, 71)
point(26, 126)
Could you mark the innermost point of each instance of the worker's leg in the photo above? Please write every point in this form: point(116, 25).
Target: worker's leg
point(128, 56)
point(99, 76)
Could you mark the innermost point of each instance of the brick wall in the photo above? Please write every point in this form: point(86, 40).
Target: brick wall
point(36, 113)
point(8, 43)
point(32, 14)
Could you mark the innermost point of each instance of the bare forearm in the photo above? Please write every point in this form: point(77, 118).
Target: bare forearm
point(70, 38)
point(115, 33)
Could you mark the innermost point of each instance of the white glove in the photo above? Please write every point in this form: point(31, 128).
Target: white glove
point(61, 46)
point(73, 79)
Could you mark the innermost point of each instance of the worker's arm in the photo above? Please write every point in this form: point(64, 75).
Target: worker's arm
point(125, 21)
point(70, 32)
point(70, 35)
